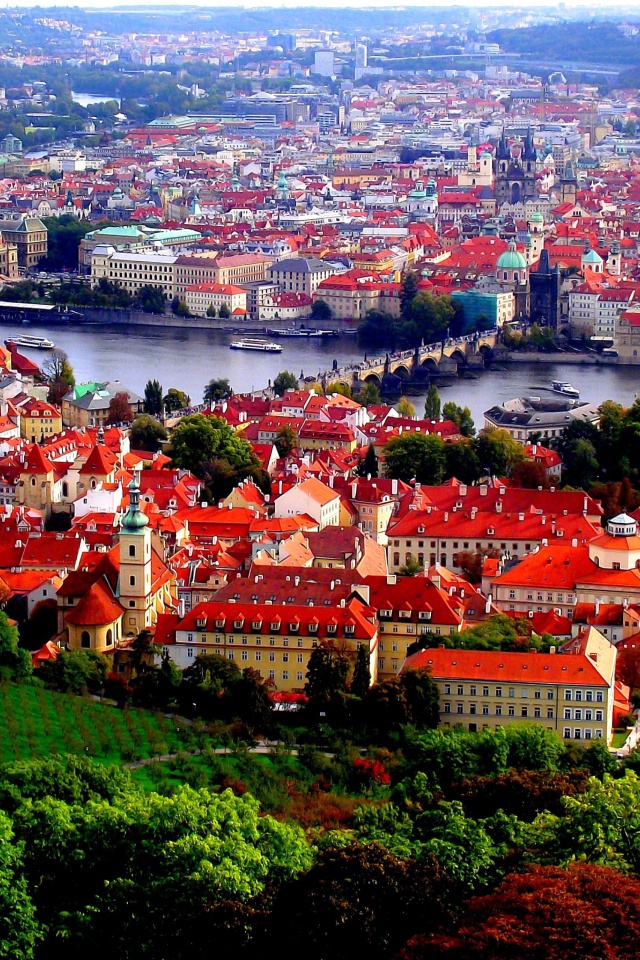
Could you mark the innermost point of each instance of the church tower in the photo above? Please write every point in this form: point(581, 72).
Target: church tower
point(135, 592)
point(568, 184)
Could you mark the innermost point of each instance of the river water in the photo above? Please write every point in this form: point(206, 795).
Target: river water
point(187, 358)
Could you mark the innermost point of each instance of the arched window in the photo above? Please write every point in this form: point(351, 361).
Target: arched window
point(132, 581)
point(85, 639)
point(33, 481)
point(132, 549)
point(65, 489)
point(109, 638)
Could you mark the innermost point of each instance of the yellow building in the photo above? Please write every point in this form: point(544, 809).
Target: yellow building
point(571, 692)
point(29, 235)
point(39, 420)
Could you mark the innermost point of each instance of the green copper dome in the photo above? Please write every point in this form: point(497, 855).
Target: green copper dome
point(134, 520)
point(536, 218)
point(511, 259)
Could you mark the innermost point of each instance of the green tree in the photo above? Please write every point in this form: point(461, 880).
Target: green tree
point(369, 395)
point(342, 389)
point(146, 433)
point(408, 294)
point(405, 408)
point(180, 308)
point(151, 299)
point(153, 398)
point(76, 671)
point(15, 663)
point(411, 568)
point(415, 456)
point(368, 466)
point(379, 330)
point(211, 310)
point(422, 697)
point(284, 381)
point(361, 680)
point(327, 672)
point(210, 449)
point(432, 403)
point(429, 319)
point(286, 440)
point(217, 390)
point(176, 400)
point(321, 311)
point(461, 462)
point(497, 451)
point(20, 930)
point(224, 313)
point(461, 416)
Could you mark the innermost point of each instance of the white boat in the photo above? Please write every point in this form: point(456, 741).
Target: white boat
point(36, 343)
point(560, 386)
point(247, 343)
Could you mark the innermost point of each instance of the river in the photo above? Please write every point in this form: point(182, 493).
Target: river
point(187, 358)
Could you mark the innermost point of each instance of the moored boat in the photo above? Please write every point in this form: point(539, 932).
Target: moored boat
point(35, 343)
point(561, 386)
point(249, 343)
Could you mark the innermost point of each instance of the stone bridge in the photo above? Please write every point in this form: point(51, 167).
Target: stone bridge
point(418, 364)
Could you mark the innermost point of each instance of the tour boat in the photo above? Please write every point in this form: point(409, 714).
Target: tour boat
point(306, 332)
point(559, 386)
point(247, 343)
point(36, 343)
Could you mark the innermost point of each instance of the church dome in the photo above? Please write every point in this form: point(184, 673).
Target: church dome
point(511, 259)
point(536, 218)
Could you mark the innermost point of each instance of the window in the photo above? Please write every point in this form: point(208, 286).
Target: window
point(132, 550)
point(578, 694)
point(512, 710)
point(566, 733)
point(498, 691)
point(589, 696)
point(460, 690)
point(258, 655)
point(447, 708)
point(549, 694)
point(285, 674)
point(536, 695)
point(472, 708)
point(587, 734)
point(485, 709)
point(244, 655)
point(85, 639)
point(549, 713)
point(599, 696)
point(577, 734)
point(588, 714)
point(499, 710)
point(537, 713)
point(512, 692)
point(447, 688)
point(272, 657)
point(578, 715)
point(285, 658)
point(567, 694)
point(459, 708)
point(599, 716)
point(567, 713)
point(472, 690)
point(132, 581)
point(524, 712)
point(485, 691)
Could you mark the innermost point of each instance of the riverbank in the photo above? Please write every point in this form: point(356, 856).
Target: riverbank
point(575, 359)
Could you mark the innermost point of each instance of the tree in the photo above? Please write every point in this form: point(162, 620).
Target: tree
point(153, 398)
point(58, 373)
point(461, 416)
point(530, 475)
point(498, 452)
point(408, 294)
point(358, 900)
point(369, 395)
point(428, 319)
point(415, 456)
point(211, 310)
point(411, 567)
point(216, 454)
point(147, 433)
point(405, 408)
point(462, 461)
point(422, 697)
point(432, 403)
point(20, 930)
point(284, 381)
point(180, 308)
point(321, 311)
point(217, 390)
point(151, 299)
point(628, 667)
point(361, 680)
point(546, 912)
point(15, 663)
point(368, 466)
point(327, 671)
point(176, 400)
point(286, 440)
point(379, 330)
point(342, 389)
point(224, 313)
point(119, 409)
point(76, 671)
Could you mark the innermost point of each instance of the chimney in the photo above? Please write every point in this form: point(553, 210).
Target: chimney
point(354, 490)
point(331, 482)
point(394, 486)
point(597, 607)
point(435, 580)
point(552, 649)
point(483, 489)
point(463, 490)
point(534, 449)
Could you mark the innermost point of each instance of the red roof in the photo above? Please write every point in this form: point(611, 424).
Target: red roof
point(497, 666)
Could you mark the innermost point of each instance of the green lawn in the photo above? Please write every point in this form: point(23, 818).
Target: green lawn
point(619, 738)
point(36, 722)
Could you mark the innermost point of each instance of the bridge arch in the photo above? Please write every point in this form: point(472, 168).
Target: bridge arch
point(371, 378)
point(429, 363)
point(458, 356)
point(486, 351)
point(402, 371)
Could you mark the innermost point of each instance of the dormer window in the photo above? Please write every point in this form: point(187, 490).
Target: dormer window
point(386, 613)
point(404, 614)
point(349, 629)
point(256, 625)
point(201, 623)
point(424, 615)
point(238, 624)
point(220, 624)
point(332, 627)
point(294, 626)
point(275, 625)
point(313, 626)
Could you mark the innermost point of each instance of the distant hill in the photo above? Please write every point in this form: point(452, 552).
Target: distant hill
point(593, 42)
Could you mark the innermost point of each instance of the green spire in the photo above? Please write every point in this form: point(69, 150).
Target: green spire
point(134, 520)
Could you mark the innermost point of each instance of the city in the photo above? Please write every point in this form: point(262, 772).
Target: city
point(319, 482)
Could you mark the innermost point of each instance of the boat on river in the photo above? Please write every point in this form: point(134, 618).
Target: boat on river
point(249, 343)
point(306, 332)
point(35, 343)
point(566, 389)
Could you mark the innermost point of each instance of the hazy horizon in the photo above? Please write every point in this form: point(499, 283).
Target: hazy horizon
point(589, 9)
